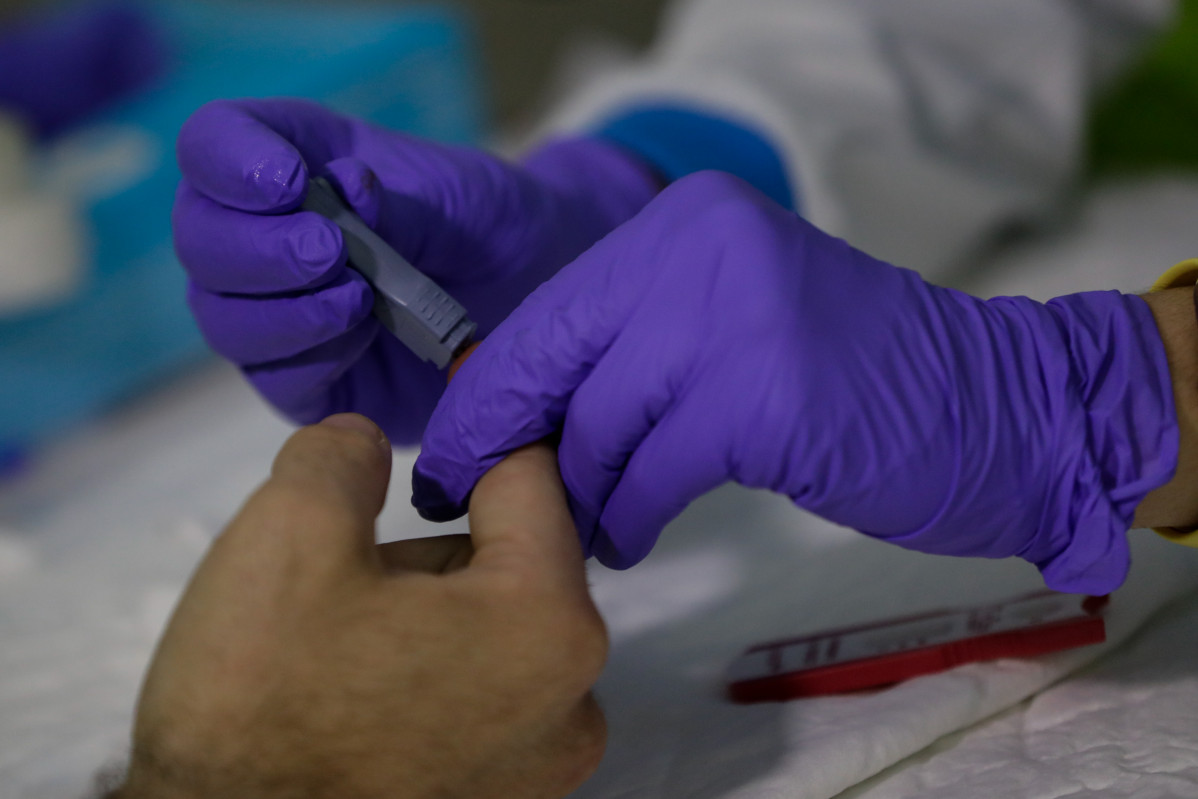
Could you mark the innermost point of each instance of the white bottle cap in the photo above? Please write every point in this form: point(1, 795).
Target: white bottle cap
point(42, 241)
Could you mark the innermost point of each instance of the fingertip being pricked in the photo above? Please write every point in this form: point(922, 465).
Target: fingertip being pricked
point(363, 425)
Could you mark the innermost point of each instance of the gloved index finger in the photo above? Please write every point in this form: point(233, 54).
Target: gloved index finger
point(234, 252)
point(255, 155)
point(517, 389)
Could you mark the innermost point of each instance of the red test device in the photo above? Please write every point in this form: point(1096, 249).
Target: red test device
point(874, 655)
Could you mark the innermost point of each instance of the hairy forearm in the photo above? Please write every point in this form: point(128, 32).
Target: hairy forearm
point(1175, 504)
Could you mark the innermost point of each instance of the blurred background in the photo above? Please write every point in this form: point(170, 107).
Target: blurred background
point(525, 42)
point(522, 41)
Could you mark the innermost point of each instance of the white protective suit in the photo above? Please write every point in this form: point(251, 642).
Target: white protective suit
point(915, 129)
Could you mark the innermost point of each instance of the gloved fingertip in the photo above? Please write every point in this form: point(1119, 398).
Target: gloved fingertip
point(276, 183)
point(349, 300)
point(432, 502)
point(359, 186)
point(231, 157)
point(606, 553)
point(316, 249)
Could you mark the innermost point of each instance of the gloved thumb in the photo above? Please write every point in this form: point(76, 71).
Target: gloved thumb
point(358, 185)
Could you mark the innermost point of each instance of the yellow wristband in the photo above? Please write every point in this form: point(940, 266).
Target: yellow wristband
point(1184, 274)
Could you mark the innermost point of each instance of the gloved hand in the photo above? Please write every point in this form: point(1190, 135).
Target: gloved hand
point(271, 291)
point(58, 69)
point(717, 337)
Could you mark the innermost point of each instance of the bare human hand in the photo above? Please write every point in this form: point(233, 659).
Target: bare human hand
point(304, 661)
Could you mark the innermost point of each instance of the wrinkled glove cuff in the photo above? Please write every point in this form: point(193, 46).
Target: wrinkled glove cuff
point(1131, 438)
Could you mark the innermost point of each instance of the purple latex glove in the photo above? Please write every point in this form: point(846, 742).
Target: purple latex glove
point(58, 69)
point(271, 291)
point(717, 337)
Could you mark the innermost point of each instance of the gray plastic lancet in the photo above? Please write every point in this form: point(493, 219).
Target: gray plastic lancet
point(419, 312)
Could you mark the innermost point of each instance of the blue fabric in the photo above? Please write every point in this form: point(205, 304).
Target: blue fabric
point(679, 141)
point(13, 462)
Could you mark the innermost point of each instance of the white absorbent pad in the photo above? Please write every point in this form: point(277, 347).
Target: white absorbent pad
point(1126, 727)
point(674, 735)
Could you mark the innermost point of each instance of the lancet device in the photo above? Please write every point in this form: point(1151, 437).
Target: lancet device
point(415, 309)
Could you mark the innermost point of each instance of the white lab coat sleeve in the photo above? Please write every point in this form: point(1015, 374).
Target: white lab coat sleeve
point(915, 129)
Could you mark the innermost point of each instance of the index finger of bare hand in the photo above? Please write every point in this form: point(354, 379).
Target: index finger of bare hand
point(520, 522)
